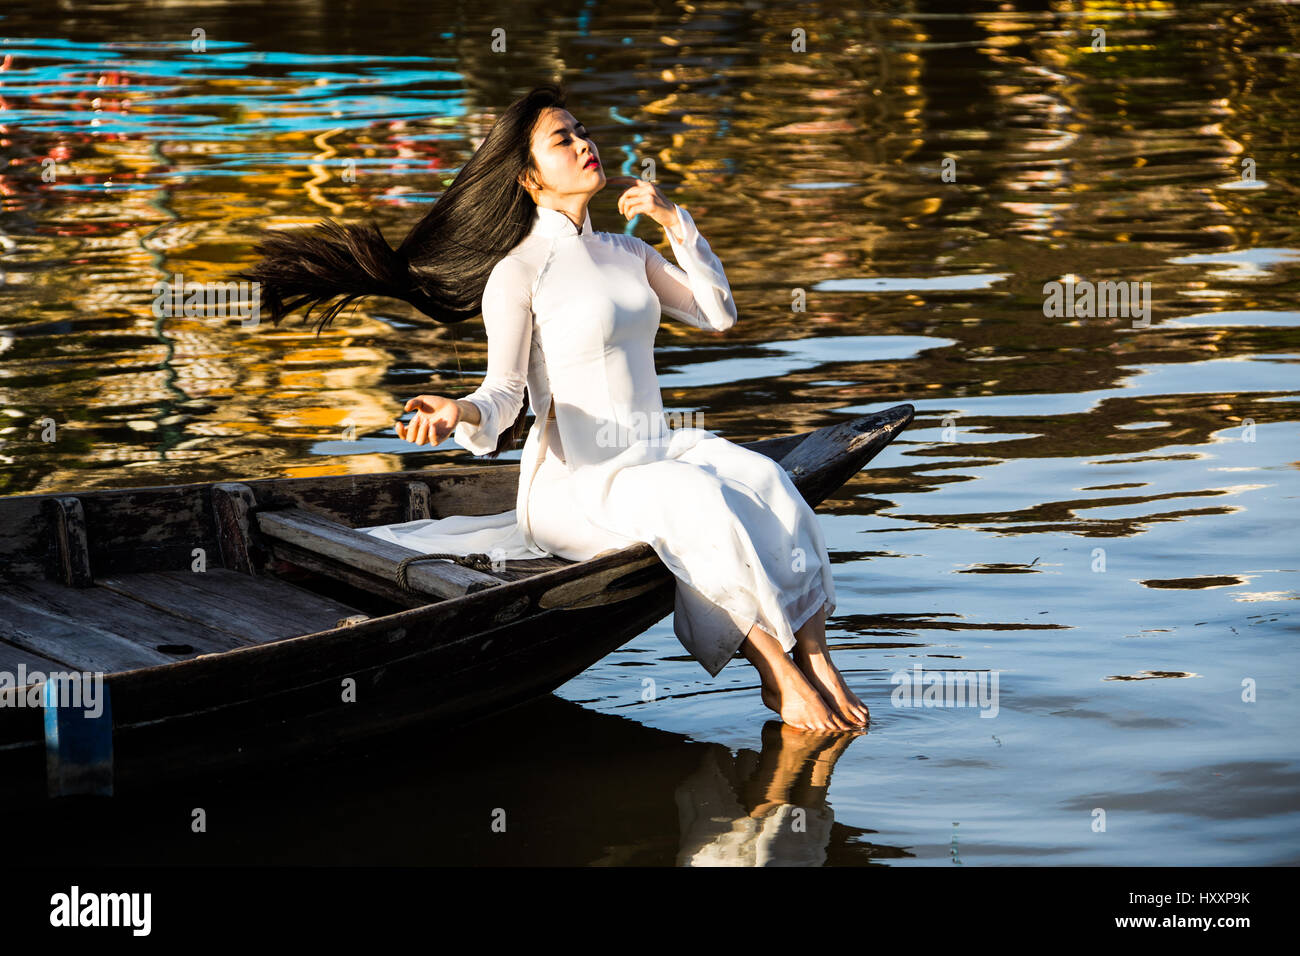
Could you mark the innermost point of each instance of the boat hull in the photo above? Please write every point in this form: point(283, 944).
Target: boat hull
point(447, 662)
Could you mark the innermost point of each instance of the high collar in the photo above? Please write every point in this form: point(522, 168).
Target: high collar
point(553, 223)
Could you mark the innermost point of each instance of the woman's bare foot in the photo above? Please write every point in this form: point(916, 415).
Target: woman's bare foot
point(800, 705)
point(824, 677)
point(785, 688)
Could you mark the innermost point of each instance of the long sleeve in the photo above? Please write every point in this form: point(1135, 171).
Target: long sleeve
point(508, 318)
point(697, 291)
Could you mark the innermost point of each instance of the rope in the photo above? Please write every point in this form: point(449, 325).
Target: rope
point(478, 561)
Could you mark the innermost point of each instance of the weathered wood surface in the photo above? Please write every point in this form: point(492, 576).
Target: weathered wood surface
point(611, 585)
point(153, 529)
point(232, 508)
point(34, 625)
point(291, 562)
point(434, 649)
point(417, 501)
point(157, 528)
point(527, 567)
point(11, 656)
point(172, 632)
point(446, 659)
point(424, 678)
point(830, 456)
point(247, 610)
point(146, 619)
point(69, 548)
point(776, 448)
point(362, 552)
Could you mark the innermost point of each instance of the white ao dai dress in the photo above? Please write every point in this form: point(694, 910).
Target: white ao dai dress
point(573, 315)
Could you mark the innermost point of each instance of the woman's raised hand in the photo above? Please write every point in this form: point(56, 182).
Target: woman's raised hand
point(644, 197)
point(435, 418)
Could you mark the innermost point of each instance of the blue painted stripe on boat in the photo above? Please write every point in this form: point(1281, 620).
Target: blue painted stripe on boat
point(78, 743)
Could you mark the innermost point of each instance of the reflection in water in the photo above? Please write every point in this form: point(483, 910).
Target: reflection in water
point(577, 788)
point(761, 810)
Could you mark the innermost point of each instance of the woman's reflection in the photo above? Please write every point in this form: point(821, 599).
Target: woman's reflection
point(761, 810)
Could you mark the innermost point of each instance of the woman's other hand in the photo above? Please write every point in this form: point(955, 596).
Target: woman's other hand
point(644, 198)
point(435, 418)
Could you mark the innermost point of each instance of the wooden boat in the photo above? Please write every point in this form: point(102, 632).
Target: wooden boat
point(235, 622)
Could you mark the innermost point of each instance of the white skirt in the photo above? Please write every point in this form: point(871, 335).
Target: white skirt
point(728, 523)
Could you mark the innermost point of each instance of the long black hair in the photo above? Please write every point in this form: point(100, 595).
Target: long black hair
point(443, 264)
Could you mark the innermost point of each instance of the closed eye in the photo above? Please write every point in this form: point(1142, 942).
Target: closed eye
point(567, 139)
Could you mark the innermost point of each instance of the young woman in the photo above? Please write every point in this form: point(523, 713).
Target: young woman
point(571, 316)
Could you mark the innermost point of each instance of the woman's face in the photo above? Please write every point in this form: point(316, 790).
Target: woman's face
point(565, 156)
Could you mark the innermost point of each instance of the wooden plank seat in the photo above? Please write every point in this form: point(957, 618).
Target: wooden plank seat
point(347, 553)
point(527, 567)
